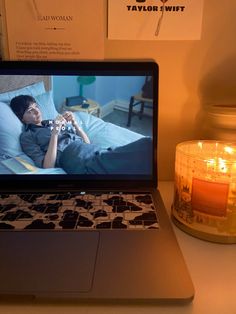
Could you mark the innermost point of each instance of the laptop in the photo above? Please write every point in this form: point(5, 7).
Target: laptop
point(98, 232)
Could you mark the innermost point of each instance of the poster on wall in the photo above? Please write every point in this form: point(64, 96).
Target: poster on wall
point(52, 30)
point(155, 19)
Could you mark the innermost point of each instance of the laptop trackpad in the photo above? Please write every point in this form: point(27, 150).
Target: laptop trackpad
point(47, 262)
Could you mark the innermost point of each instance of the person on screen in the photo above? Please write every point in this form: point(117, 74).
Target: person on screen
point(63, 143)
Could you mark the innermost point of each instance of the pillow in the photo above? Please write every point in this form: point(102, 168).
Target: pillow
point(32, 90)
point(10, 130)
point(46, 105)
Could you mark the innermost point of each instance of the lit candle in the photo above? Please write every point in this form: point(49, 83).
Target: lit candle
point(205, 190)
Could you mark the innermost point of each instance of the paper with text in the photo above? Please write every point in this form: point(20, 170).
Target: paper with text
point(155, 19)
point(54, 30)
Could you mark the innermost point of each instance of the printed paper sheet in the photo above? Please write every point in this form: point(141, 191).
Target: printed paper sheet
point(55, 30)
point(155, 19)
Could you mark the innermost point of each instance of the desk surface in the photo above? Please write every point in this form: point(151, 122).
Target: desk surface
point(212, 267)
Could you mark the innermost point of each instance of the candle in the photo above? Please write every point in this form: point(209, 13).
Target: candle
point(205, 190)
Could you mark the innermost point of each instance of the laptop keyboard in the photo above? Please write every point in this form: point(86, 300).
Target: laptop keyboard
point(78, 211)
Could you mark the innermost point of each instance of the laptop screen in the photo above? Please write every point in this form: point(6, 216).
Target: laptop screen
point(78, 122)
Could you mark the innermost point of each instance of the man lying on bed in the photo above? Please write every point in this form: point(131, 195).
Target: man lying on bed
point(62, 143)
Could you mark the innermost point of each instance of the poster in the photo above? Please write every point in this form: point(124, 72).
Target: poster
point(155, 19)
point(53, 29)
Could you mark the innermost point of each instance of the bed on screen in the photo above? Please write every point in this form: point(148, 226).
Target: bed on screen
point(12, 158)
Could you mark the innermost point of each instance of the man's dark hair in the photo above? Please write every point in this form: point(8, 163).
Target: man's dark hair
point(20, 104)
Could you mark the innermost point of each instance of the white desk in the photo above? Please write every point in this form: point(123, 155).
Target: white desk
point(212, 267)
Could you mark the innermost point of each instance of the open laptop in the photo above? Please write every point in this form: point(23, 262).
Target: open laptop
point(102, 233)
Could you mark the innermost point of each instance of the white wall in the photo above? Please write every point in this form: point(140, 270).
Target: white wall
point(192, 73)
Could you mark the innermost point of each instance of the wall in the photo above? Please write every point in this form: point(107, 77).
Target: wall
point(192, 73)
point(104, 90)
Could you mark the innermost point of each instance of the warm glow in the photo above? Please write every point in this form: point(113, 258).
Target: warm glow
point(211, 163)
point(229, 149)
point(222, 165)
point(199, 145)
point(234, 169)
point(217, 164)
point(205, 189)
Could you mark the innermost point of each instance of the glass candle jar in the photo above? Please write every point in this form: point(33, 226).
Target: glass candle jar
point(205, 190)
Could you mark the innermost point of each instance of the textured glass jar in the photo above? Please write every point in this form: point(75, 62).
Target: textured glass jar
point(205, 190)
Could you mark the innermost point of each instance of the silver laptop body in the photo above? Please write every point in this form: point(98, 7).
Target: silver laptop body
point(53, 255)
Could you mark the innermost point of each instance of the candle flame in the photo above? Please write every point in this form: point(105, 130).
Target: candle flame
point(228, 149)
point(199, 145)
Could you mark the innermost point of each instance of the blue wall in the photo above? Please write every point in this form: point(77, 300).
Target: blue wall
point(104, 90)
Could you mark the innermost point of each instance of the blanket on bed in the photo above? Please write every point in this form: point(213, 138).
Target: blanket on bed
point(133, 158)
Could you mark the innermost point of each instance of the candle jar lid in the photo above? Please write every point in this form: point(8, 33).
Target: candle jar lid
point(205, 190)
point(222, 115)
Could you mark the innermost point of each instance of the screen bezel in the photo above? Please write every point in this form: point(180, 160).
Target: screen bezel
point(16, 181)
